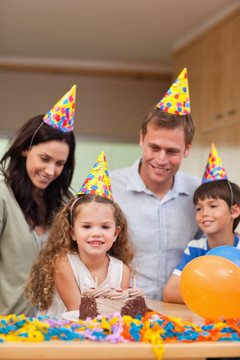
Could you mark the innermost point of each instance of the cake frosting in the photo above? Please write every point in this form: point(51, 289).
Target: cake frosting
point(105, 301)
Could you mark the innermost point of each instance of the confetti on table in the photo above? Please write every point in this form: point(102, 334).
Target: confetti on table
point(153, 328)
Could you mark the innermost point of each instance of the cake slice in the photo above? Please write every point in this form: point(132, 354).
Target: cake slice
point(105, 301)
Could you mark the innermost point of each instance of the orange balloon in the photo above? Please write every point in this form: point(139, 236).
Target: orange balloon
point(210, 287)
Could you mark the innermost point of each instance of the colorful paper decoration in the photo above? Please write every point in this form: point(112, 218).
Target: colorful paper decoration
point(98, 182)
point(214, 169)
point(152, 328)
point(176, 100)
point(61, 116)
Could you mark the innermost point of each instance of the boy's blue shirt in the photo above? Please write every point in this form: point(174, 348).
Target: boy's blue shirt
point(196, 248)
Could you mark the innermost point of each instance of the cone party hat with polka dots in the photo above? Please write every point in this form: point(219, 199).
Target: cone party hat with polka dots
point(214, 169)
point(176, 100)
point(61, 116)
point(98, 182)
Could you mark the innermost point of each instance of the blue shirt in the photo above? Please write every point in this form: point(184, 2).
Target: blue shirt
point(160, 229)
point(196, 248)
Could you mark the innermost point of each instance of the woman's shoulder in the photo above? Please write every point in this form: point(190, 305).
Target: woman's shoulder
point(5, 190)
point(3, 184)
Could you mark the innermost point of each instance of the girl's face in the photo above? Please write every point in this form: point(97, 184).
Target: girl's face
point(45, 162)
point(213, 215)
point(94, 229)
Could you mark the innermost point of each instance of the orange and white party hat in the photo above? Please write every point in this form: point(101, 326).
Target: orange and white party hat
point(61, 116)
point(98, 182)
point(176, 100)
point(214, 169)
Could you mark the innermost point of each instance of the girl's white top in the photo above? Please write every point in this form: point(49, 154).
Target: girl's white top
point(84, 280)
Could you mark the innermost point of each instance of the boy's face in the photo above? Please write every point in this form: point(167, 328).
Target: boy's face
point(214, 217)
point(163, 151)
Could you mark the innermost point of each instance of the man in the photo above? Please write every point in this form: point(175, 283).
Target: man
point(155, 196)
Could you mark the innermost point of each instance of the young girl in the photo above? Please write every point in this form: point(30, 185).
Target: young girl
point(37, 171)
point(88, 246)
point(217, 202)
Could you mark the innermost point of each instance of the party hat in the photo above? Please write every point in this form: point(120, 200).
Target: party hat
point(214, 169)
point(176, 100)
point(61, 116)
point(98, 181)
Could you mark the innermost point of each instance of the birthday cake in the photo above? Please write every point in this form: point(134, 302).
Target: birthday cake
point(105, 301)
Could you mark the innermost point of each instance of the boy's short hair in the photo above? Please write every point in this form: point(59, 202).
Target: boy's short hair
point(163, 119)
point(219, 189)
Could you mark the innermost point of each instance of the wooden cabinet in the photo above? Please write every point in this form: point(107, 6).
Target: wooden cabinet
point(221, 77)
point(213, 62)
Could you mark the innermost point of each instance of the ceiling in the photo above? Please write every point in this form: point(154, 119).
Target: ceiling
point(140, 31)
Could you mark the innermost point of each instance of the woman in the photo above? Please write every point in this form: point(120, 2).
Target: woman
point(37, 171)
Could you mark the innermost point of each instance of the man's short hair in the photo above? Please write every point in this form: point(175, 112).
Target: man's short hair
point(163, 119)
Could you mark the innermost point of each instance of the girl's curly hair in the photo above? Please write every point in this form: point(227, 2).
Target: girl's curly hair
point(40, 286)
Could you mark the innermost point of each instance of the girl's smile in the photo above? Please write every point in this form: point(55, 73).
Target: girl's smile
point(95, 243)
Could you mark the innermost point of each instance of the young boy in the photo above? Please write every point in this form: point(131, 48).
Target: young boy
point(217, 202)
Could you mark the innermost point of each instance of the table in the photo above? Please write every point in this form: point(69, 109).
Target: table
point(83, 350)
